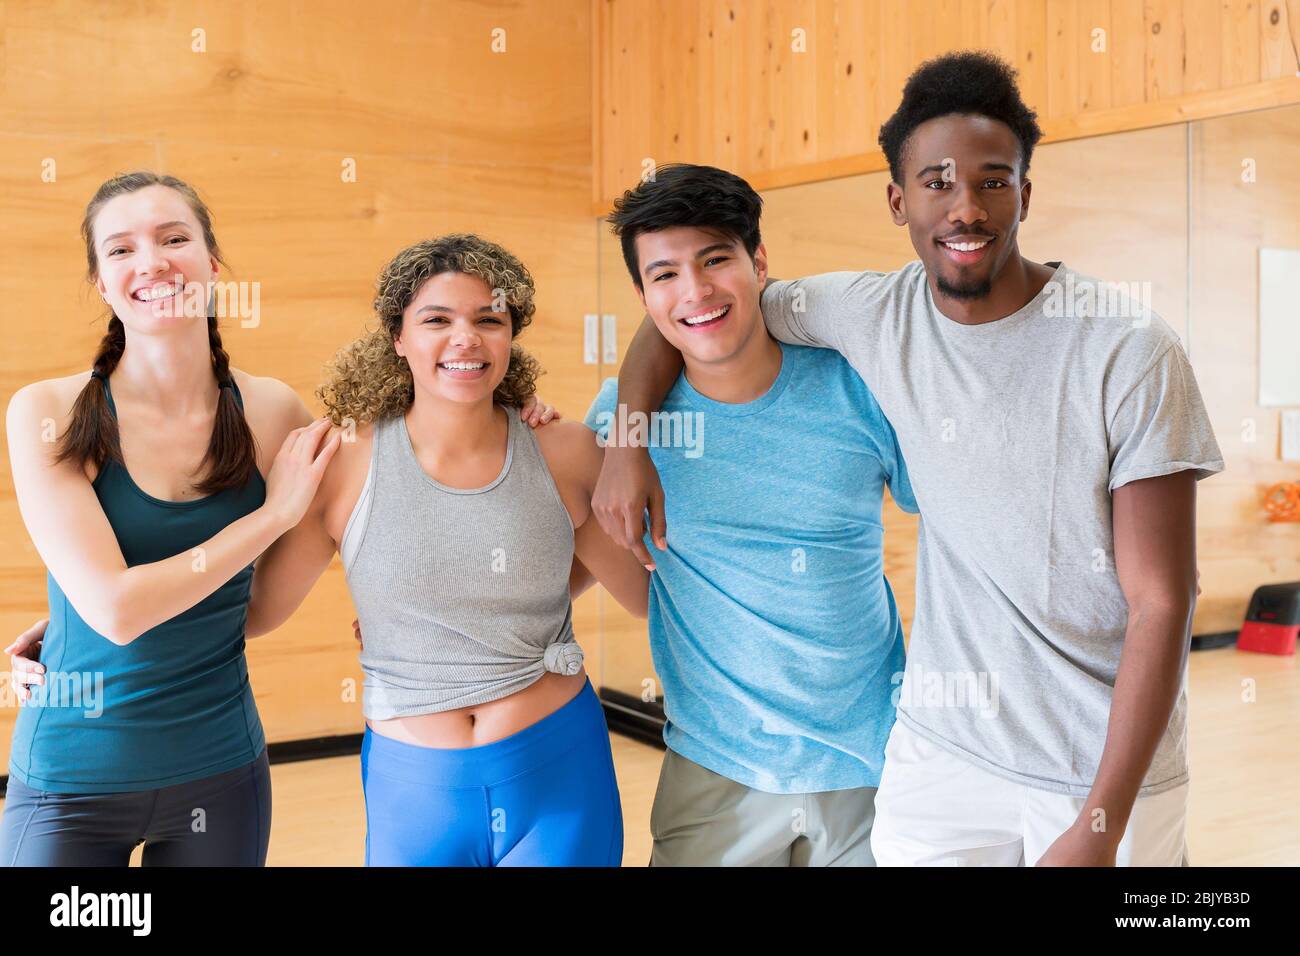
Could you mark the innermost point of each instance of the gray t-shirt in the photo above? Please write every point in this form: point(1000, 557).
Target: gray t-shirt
point(1015, 433)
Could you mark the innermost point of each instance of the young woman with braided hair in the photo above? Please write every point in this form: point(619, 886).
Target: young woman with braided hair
point(143, 728)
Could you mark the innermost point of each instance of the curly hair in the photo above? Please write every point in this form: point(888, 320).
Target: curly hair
point(368, 381)
point(969, 82)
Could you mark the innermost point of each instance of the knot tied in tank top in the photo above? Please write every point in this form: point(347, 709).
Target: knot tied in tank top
point(462, 593)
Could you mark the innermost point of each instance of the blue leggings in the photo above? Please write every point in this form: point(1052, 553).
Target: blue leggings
point(41, 828)
point(545, 796)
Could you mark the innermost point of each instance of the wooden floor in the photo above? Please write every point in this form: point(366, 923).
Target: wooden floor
point(1244, 751)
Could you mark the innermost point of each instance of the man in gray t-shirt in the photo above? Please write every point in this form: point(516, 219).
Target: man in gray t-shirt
point(1017, 433)
point(1054, 434)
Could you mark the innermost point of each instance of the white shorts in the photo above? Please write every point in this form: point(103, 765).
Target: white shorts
point(934, 808)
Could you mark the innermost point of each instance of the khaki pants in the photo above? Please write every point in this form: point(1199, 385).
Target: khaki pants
point(701, 818)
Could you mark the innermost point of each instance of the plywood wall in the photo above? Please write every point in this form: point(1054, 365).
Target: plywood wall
point(456, 118)
point(787, 91)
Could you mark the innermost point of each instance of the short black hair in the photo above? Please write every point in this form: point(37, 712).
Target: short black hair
point(970, 82)
point(684, 194)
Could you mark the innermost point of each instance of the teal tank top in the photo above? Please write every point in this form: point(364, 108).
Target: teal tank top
point(172, 706)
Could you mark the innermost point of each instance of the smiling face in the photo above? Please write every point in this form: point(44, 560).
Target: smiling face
point(456, 337)
point(962, 200)
point(701, 289)
point(149, 244)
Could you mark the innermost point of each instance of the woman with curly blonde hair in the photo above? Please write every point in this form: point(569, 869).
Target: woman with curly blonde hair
point(464, 535)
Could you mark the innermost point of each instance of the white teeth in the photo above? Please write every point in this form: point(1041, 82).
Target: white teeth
point(967, 246)
point(707, 317)
point(149, 295)
point(463, 366)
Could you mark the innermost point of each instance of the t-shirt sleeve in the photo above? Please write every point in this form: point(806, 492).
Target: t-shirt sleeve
point(809, 311)
point(900, 483)
point(1161, 426)
point(603, 407)
point(889, 454)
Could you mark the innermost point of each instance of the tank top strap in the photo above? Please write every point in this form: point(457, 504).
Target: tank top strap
point(527, 452)
point(112, 405)
point(108, 394)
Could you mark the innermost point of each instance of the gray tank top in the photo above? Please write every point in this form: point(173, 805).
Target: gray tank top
point(462, 593)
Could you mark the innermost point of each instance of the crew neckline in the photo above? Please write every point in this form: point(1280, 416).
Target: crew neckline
point(740, 409)
point(409, 449)
point(1031, 308)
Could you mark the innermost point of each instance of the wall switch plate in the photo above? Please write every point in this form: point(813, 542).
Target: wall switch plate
point(590, 338)
point(609, 339)
point(1291, 436)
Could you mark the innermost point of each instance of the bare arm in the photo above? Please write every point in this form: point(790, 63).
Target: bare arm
point(580, 579)
point(75, 540)
point(286, 573)
point(575, 459)
point(629, 483)
point(289, 568)
point(649, 370)
point(615, 567)
point(1154, 522)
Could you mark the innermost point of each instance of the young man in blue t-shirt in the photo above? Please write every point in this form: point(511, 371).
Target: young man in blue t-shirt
point(772, 626)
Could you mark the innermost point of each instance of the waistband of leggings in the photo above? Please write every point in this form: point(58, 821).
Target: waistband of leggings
point(580, 720)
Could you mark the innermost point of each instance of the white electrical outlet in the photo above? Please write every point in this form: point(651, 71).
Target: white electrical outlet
point(1291, 436)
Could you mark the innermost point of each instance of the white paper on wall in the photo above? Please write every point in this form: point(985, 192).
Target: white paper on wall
point(1279, 326)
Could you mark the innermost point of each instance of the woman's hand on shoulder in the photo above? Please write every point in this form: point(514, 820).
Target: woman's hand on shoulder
point(536, 412)
point(273, 409)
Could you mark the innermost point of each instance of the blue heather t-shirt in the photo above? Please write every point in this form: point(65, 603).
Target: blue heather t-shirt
point(771, 624)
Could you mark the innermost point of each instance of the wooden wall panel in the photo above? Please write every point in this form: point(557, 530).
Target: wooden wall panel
point(1279, 38)
point(1239, 38)
point(447, 136)
point(1086, 66)
point(403, 78)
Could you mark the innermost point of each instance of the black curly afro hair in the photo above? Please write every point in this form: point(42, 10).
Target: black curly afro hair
point(970, 82)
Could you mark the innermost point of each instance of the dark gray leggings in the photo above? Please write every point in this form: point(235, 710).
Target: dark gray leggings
point(222, 820)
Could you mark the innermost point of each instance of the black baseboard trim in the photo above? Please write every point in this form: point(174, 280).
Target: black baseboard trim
point(632, 717)
point(1209, 642)
point(314, 748)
